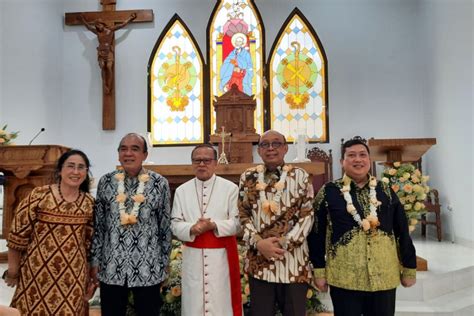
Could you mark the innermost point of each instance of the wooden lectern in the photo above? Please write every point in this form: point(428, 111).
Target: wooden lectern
point(389, 151)
point(402, 149)
point(235, 112)
point(25, 167)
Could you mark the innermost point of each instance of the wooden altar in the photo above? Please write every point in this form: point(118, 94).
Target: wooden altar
point(178, 174)
point(25, 167)
point(389, 151)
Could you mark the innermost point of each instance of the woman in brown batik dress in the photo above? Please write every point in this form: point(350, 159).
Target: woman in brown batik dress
point(49, 241)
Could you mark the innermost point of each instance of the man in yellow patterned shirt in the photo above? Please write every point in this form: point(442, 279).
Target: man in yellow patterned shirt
point(360, 245)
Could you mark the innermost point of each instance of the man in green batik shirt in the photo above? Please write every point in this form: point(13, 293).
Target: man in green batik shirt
point(360, 245)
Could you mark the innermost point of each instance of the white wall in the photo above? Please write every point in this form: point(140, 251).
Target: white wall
point(31, 67)
point(378, 84)
point(447, 37)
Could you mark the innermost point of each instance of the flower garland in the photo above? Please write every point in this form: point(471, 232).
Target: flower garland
point(132, 217)
point(372, 221)
point(274, 204)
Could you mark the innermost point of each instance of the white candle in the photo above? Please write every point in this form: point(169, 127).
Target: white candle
point(301, 147)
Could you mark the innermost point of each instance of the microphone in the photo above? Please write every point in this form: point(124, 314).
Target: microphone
point(37, 134)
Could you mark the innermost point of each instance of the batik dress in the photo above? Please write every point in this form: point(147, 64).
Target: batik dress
point(54, 238)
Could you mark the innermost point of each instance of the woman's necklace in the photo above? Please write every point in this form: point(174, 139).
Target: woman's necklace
point(62, 196)
point(371, 221)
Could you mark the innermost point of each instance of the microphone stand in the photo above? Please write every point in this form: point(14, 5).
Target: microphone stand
point(37, 134)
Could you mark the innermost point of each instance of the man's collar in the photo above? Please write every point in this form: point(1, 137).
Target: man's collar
point(206, 182)
point(277, 170)
point(351, 181)
point(142, 171)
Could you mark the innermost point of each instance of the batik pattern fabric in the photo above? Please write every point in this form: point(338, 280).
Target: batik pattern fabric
point(54, 238)
point(354, 259)
point(291, 223)
point(134, 255)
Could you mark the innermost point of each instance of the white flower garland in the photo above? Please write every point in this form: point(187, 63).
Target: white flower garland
point(274, 204)
point(132, 217)
point(372, 221)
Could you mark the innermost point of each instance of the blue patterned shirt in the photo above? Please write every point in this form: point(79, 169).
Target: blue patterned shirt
point(132, 255)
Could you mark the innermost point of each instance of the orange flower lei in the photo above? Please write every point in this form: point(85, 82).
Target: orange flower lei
point(274, 204)
point(132, 217)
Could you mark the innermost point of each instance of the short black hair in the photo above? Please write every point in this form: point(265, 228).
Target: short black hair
point(145, 146)
point(205, 146)
point(356, 140)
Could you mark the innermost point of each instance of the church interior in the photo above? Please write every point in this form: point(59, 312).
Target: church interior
point(388, 70)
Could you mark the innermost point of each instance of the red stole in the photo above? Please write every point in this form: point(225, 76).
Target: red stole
point(210, 241)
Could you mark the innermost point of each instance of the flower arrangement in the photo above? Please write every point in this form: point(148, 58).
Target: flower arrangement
point(411, 188)
point(313, 304)
point(6, 138)
point(244, 279)
point(171, 289)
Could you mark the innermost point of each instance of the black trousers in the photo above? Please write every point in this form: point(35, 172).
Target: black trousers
point(356, 303)
point(114, 299)
point(266, 296)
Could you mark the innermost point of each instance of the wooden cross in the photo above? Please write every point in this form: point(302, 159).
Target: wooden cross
point(104, 24)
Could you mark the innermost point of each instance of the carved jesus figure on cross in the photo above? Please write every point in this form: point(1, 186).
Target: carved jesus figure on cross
point(105, 50)
point(104, 24)
point(222, 157)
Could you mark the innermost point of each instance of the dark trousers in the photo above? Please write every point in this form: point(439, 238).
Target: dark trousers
point(266, 296)
point(114, 299)
point(356, 303)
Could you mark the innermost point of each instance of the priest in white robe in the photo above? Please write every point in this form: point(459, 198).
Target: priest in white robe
point(205, 218)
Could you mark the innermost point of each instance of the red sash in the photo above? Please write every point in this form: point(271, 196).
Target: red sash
point(210, 241)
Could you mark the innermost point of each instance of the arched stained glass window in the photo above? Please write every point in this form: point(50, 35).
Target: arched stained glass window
point(176, 98)
point(236, 53)
point(298, 81)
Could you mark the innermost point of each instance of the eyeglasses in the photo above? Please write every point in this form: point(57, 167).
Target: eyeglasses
point(266, 145)
point(72, 167)
point(206, 161)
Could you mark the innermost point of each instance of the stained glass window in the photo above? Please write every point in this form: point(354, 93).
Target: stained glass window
point(176, 106)
point(235, 36)
point(298, 81)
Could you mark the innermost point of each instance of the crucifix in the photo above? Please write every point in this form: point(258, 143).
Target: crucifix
point(222, 158)
point(104, 24)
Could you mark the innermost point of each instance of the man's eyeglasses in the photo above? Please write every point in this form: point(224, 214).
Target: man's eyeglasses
point(266, 145)
point(72, 167)
point(206, 161)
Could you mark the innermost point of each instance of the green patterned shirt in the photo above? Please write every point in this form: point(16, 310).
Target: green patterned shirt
point(351, 258)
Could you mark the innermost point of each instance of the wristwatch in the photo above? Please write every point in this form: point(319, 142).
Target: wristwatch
point(5, 276)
